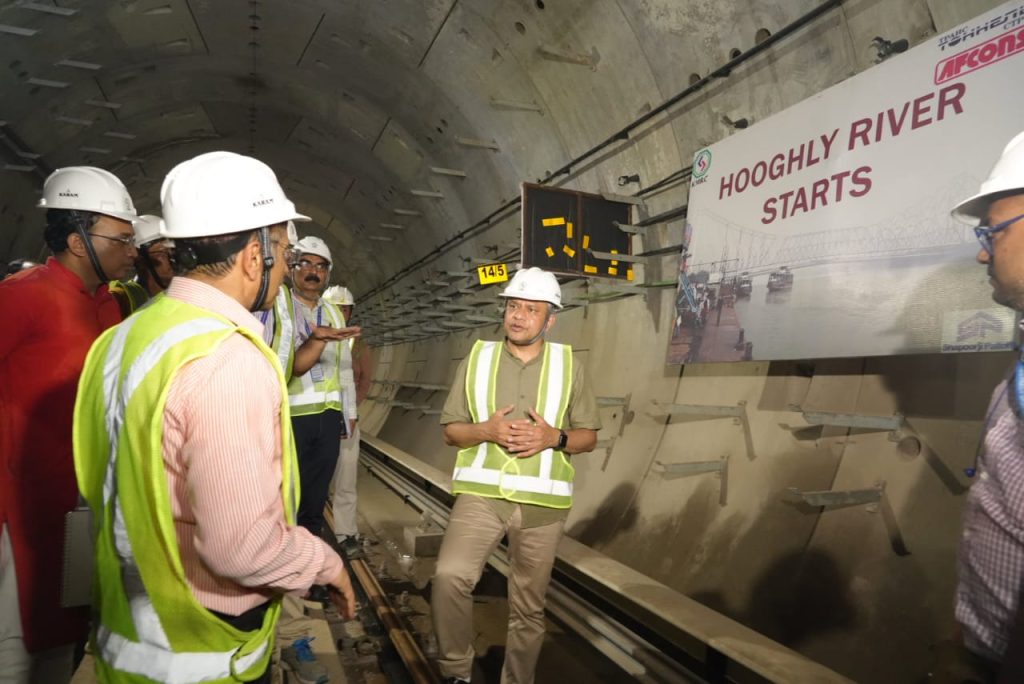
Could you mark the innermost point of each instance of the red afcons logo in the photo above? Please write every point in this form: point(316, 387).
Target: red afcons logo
point(980, 56)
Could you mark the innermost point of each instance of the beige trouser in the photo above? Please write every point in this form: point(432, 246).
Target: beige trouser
point(343, 503)
point(474, 530)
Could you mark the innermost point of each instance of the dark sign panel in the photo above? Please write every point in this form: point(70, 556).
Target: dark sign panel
point(563, 229)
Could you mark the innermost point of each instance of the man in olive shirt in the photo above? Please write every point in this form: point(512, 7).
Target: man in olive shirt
point(512, 474)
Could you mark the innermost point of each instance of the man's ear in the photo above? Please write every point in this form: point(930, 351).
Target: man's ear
point(252, 260)
point(76, 245)
point(551, 320)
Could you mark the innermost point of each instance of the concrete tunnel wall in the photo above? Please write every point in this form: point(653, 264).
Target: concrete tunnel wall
point(356, 116)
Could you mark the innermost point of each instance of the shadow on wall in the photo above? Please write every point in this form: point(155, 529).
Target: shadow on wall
point(799, 596)
point(614, 516)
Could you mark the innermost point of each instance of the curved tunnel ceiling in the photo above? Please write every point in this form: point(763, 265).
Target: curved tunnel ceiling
point(436, 109)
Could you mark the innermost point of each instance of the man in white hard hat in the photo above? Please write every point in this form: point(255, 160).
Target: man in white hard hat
point(183, 447)
point(356, 370)
point(322, 411)
point(153, 270)
point(51, 314)
point(517, 410)
point(991, 558)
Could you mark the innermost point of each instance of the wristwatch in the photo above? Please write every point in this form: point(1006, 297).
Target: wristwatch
point(563, 439)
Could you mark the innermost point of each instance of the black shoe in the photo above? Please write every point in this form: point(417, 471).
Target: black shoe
point(319, 593)
point(352, 547)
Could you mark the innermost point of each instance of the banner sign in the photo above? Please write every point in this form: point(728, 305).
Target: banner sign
point(824, 231)
point(575, 233)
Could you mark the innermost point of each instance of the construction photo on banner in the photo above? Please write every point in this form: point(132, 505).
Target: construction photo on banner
point(824, 231)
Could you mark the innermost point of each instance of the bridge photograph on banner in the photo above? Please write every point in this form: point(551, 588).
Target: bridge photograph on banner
point(824, 231)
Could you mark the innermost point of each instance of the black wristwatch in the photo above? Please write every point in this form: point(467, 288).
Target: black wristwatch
point(563, 440)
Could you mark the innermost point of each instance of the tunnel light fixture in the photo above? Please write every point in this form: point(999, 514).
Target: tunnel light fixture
point(433, 194)
point(163, 9)
point(406, 212)
point(47, 83)
point(104, 104)
point(94, 150)
point(17, 30)
point(19, 167)
point(381, 238)
point(76, 64)
point(48, 9)
point(119, 135)
point(477, 142)
point(28, 155)
point(392, 226)
point(441, 171)
point(73, 120)
point(134, 160)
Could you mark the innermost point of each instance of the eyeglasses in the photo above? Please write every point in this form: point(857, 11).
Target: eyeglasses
point(985, 233)
point(125, 240)
point(306, 265)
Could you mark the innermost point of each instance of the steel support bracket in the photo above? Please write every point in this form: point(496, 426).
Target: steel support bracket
point(893, 424)
point(739, 411)
point(671, 471)
point(839, 498)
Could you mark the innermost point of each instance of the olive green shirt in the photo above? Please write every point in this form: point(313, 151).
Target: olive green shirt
point(518, 384)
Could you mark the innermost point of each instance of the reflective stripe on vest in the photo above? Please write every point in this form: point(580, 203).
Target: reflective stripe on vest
point(307, 396)
point(284, 330)
point(149, 622)
point(544, 479)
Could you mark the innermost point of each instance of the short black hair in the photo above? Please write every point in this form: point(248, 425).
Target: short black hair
point(212, 256)
point(61, 223)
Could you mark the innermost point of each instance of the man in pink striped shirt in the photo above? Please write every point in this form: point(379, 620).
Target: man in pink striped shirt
point(220, 433)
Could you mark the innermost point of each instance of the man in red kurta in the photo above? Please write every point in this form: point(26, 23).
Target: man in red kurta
point(51, 315)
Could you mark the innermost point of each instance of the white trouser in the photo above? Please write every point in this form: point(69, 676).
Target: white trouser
point(17, 666)
point(344, 502)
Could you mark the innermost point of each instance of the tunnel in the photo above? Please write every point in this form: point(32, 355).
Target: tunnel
point(406, 129)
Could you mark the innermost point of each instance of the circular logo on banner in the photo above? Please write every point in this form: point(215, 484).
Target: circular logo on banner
point(701, 163)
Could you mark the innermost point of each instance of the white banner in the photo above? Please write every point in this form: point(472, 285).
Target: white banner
point(824, 231)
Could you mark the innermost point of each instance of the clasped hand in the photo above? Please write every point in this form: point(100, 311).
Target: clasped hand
point(522, 438)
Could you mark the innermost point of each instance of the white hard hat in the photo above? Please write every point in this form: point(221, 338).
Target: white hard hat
point(311, 244)
point(1006, 175)
point(87, 188)
point(536, 285)
point(219, 193)
point(147, 229)
point(339, 295)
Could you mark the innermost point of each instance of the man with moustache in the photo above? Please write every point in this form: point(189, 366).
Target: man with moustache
point(322, 412)
point(153, 270)
point(51, 314)
point(512, 474)
point(184, 451)
point(990, 563)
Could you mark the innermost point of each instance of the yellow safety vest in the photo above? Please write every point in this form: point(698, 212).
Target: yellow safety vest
point(309, 395)
point(147, 625)
point(544, 479)
point(283, 343)
point(129, 294)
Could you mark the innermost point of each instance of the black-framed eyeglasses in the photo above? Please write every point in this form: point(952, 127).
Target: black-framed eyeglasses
point(985, 233)
point(125, 240)
point(306, 264)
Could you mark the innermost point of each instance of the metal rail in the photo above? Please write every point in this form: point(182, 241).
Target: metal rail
point(653, 632)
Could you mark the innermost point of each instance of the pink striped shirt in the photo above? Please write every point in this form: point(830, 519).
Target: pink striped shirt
point(222, 455)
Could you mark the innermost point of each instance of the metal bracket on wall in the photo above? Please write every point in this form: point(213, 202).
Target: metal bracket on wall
point(738, 413)
point(893, 424)
point(839, 498)
point(629, 228)
point(609, 444)
point(873, 499)
point(671, 471)
point(611, 256)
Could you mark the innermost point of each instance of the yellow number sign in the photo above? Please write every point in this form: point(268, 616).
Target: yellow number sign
point(492, 273)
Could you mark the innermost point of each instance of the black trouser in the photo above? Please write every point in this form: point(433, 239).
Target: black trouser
point(317, 441)
point(249, 621)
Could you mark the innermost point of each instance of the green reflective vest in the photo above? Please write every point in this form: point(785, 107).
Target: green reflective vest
point(314, 391)
point(147, 624)
point(129, 294)
point(283, 342)
point(544, 479)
